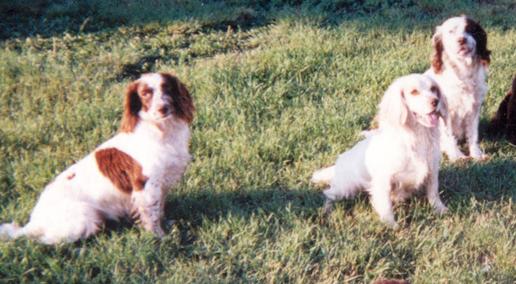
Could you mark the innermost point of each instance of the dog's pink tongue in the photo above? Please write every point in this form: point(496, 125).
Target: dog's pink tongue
point(434, 119)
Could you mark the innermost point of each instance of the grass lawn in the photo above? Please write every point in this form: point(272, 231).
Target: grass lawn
point(281, 88)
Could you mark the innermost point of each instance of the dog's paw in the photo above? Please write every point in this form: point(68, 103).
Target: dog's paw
point(158, 232)
point(477, 154)
point(389, 221)
point(456, 157)
point(441, 210)
point(327, 207)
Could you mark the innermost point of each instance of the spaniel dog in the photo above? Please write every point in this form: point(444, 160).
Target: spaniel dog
point(459, 66)
point(399, 157)
point(505, 119)
point(128, 175)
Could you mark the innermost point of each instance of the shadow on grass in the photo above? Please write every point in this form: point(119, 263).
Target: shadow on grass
point(188, 211)
point(483, 181)
point(197, 206)
point(53, 18)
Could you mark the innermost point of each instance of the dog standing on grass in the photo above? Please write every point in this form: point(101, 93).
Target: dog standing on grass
point(399, 157)
point(128, 175)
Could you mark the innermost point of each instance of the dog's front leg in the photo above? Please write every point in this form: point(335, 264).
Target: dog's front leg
point(149, 205)
point(381, 201)
point(432, 193)
point(449, 144)
point(472, 136)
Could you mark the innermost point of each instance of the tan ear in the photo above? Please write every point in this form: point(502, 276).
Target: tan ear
point(181, 99)
point(393, 109)
point(437, 53)
point(443, 108)
point(132, 106)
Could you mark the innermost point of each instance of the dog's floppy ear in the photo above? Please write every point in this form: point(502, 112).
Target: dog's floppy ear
point(181, 98)
point(480, 36)
point(393, 109)
point(132, 106)
point(443, 107)
point(437, 53)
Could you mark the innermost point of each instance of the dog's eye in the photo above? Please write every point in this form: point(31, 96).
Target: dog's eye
point(433, 89)
point(146, 93)
point(414, 92)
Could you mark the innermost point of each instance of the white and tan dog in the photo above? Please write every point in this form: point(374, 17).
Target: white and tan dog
point(128, 175)
point(459, 66)
point(399, 157)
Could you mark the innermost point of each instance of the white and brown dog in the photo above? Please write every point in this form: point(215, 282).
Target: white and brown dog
point(459, 65)
point(128, 175)
point(399, 157)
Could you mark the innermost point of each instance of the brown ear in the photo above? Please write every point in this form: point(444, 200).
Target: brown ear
point(181, 99)
point(480, 36)
point(437, 55)
point(132, 106)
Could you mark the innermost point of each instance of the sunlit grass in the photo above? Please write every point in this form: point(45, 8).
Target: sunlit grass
point(280, 90)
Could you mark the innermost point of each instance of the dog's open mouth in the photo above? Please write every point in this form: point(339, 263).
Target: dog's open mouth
point(429, 120)
point(464, 50)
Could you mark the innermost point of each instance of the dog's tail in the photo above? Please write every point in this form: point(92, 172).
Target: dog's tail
point(323, 176)
point(10, 231)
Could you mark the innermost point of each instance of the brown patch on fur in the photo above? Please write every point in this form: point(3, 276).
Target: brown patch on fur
point(504, 120)
point(138, 96)
point(480, 36)
point(182, 102)
point(122, 170)
point(437, 55)
point(70, 176)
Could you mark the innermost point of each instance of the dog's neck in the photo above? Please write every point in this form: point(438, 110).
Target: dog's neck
point(415, 133)
point(163, 131)
point(464, 69)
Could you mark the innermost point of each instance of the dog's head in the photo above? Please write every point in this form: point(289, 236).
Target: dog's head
point(157, 98)
point(413, 98)
point(462, 39)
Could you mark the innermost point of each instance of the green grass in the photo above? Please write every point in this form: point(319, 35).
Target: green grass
point(281, 88)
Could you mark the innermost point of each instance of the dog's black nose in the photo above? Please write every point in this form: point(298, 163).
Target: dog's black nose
point(164, 110)
point(435, 102)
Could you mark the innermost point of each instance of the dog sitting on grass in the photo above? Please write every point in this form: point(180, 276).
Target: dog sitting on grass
point(399, 157)
point(128, 175)
point(505, 119)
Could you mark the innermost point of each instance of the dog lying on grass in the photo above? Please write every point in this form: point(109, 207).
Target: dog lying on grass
point(128, 175)
point(399, 157)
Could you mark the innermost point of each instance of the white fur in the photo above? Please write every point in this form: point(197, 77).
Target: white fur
point(400, 157)
point(75, 205)
point(463, 83)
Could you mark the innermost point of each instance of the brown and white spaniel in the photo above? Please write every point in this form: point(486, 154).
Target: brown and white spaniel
point(128, 175)
point(459, 65)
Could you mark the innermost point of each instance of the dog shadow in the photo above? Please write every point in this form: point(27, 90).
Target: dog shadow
point(188, 211)
point(488, 181)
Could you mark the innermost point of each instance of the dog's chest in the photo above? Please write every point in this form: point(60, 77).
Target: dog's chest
point(419, 163)
point(464, 95)
point(414, 175)
point(169, 164)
